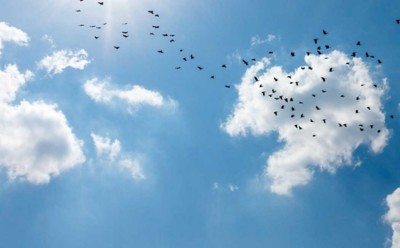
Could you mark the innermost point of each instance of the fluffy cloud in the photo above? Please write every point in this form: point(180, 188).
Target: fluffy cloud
point(136, 96)
point(36, 142)
point(12, 34)
point(59, 60)
point(110, 152)
point(393, 216)
point(332, 146)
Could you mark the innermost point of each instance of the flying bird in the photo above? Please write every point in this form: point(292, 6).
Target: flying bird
point(101, 3)
point(324, 32)
point(116, 47)
point(245, 62)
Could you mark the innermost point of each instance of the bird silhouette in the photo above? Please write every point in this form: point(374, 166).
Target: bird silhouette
point(324, 32)
point(245, 62)
point(101, 3)
point(116, 47)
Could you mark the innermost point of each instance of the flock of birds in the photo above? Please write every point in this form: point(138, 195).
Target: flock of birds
point(287, 102)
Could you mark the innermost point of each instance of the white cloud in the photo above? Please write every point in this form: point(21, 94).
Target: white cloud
point(136, 96)
point(393, 216)
point(257, 40)
point(333, 146)
point(36, 142)
point(106, 148)
point(12, 34)
point(110, 152)
point(233, 187)
point(59, 60)
point(50, 40)
point(230, 187)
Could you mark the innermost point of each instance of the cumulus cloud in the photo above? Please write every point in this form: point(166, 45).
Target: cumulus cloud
point(133, 97)
point(36, 142)
point(60, 60)
point(393, 216)
point(110, 152)
point(12, 34)
point(333, 146)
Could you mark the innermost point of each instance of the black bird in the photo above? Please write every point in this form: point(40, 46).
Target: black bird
point(125, 35)
point(392, 116)
point(292, 54)
point(308, 53)
point(96, 37)
point(293, 109)
point(358, 43)
point(324, 120)
point(270, 52)
point(371, 126)
point(125, 23)
point(323, 79)
point(353, 54)
point(151, 12)
point(379, 61)
point(276, 113)
point(185, 59)
point(101, 3)
point(357, 98)
point(81, 25)
point(200, 68)
point(311, 120)
point(223, 66)
point(253, 59)
point(116, 47)
point(256, 78)
point(283, 106)
point(263, 93)
point(302, 116)
point(160, 51)
point(369, 108)
point(180, 50)
point(314, 135)
point(341, 95)
point(156, 26)
point(366, 54)
point(331, 69)
point(361, 129)
point(157, 15)
point(398, 21)
point(313, 95)
point(124, 32)
point(310, 68)
point(317, 107)
point(316, 40)
point(212, 77)
point(357, 111)
point(172, 40)
point(276, 80)
point(177, 68)
point(78, 10)
point(165, 35)
point(245, 62)
point(319, 52)
point(151, 33)
point(378, 131)
point(227, 86)
point(323, 91)
point(324, 32)
point(327, 47)
point(191, 56)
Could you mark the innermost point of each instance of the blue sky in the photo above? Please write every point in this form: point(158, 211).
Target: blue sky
point(169, 169)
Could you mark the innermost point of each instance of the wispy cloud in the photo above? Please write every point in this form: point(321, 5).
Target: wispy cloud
point(12, 34)
point(333, 146)
point(60, 60)
point(135, 96)
point(257, 40)
point(109, 152)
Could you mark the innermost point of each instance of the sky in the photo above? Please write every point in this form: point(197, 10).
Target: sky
point(106, 147)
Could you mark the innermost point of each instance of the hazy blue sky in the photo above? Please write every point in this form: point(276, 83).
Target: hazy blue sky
point(102, 147)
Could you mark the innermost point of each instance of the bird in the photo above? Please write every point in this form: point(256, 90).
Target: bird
point(398, 21)
point(125, 23)
point(124, 32)
point(256, 78)
point(327, 47)
point(172, 40)
point(276, 113)
point(191, 56)
point(160, 51)
point(276, 80)
point(317, 107)
point(78, 10)
point(156, 26)
point(331, 69)
point(323, 79)
point(358, 43)
point(151, 12)
point(353, 54)
point(177, 68)
point(212, 77)
point(369, 108)
point(324, 32)
point(157, 15)
point(223, 66)
point(245, 62)
point(200, 68)
point(292, 54)
point(116, 47)
point(96, 37)
point(101, 3)
point(324, 120)
point(379, 61)
point(227, 86)
point(315, 40)
point(125, 35)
